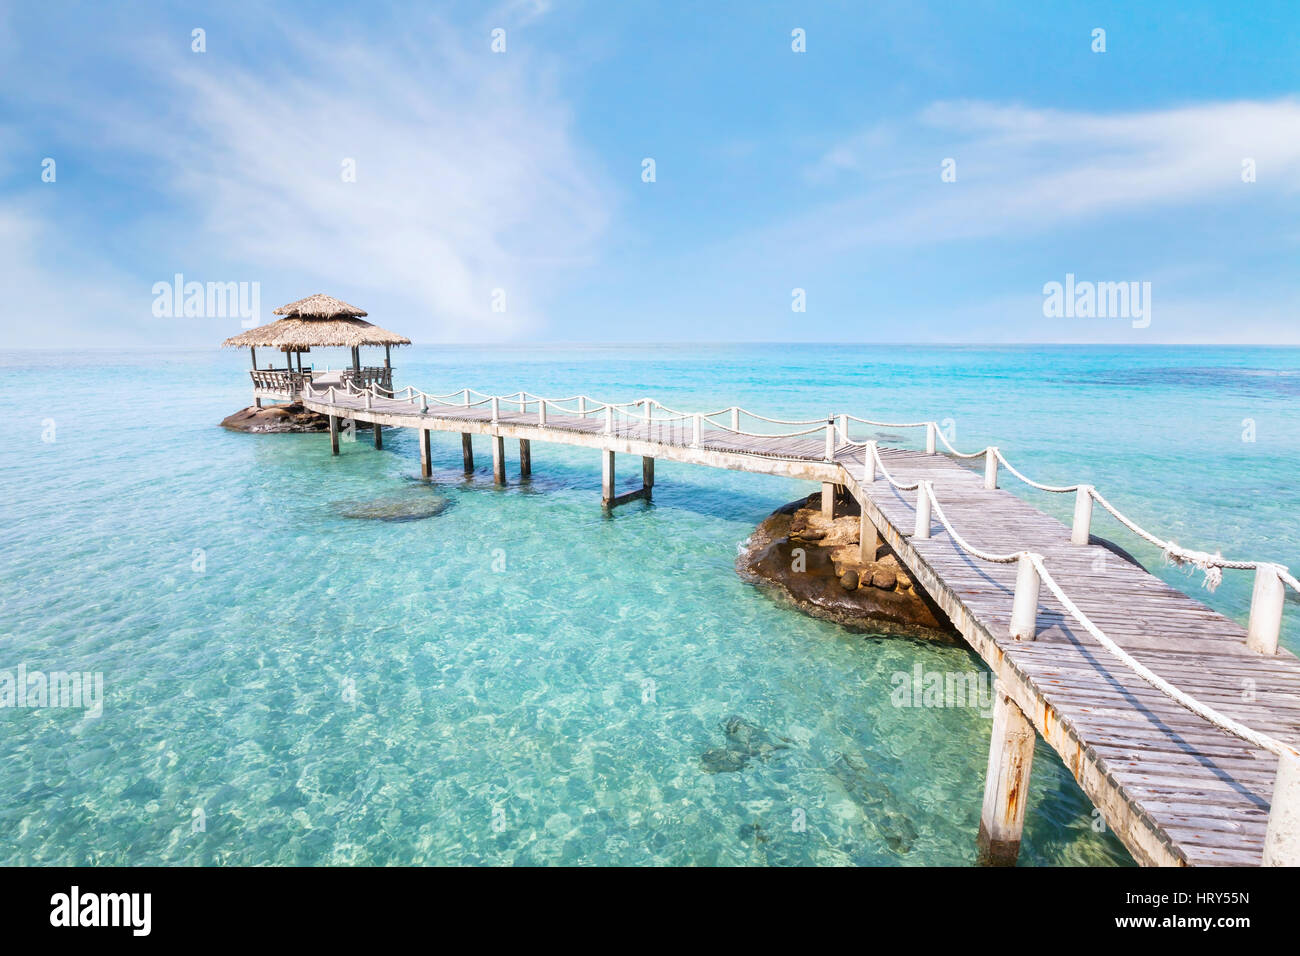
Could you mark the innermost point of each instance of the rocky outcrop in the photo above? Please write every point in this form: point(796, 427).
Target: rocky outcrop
point(814, 564)
point(278, 419)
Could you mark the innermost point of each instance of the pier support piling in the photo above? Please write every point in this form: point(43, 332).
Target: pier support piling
point(868, 540)
point(426, 458)
point(1006, 785)
point(828, 500)
point(379, 434)
point(334, 434)
point(467, 451)
point(498, 459)
point(647, 474)
point(525, 459)
point(606, 478)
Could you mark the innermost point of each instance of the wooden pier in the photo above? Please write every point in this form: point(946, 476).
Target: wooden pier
point(1178, 723)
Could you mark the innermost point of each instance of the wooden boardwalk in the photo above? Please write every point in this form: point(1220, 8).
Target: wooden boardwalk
point(1173, 786)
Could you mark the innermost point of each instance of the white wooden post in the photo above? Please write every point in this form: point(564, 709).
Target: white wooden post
point(609, 419)
point(697, 429)
point(582, 405)
point(1082, 528)
point(424, 403)
point(922, 529)
point(735, 418)
point(1006, 782)
point(367, 398)
point(496, 409)
point(499, 459)
point(930, 444)
point(991, 467)
point(1265, 610)
point(868, 540)
point(869, 463)
point(828, 500)
point(541, 411)
point(1024, 607)
point(523, 403)
point(606, 477)
point(467, 398)
point(830, 439)
point(844, 427)
point(1282, 838)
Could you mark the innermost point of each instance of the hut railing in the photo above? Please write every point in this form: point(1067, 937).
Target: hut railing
point(280, 380)
point(367, 376)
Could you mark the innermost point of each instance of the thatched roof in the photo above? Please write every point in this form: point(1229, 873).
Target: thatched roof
point(295, 333)
point(318, 306)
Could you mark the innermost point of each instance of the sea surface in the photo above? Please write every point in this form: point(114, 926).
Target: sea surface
point(512, 676)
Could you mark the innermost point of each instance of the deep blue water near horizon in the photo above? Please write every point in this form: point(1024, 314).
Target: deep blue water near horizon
point(520, 679)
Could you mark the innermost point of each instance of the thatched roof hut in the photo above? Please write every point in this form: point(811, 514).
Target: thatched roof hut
point(320, 321)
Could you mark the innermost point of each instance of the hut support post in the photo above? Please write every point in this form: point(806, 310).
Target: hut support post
point(467, 451)
point(426, 458)
point(253, 351)
point(498, 459)
point(388, 369)
point(525, 459)
point(334, 434)
point(828, 500)
point(1006, 786)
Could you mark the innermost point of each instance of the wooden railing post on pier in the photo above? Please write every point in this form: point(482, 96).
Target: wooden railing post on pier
point(991, 467)
point(1282, 839)
point(609, 419)
point(1006, 784)
point(869, 463)
point(830, 438)
point(496, 409)
point(735, 418)
point(922, 529)
point(931, 443)
point(697, 429)
point(541, 412)
point(1024, 606)
point(1266, 602)
point(1081, 530)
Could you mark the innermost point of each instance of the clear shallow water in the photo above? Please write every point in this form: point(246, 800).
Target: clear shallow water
point(520, 679)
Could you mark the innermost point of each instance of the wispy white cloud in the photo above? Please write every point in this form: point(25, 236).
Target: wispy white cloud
point(468, 177)
point(1023, 171)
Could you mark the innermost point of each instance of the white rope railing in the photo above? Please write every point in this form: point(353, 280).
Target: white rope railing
point(837, 436)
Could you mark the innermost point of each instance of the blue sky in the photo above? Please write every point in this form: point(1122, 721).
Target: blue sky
point(775, 170)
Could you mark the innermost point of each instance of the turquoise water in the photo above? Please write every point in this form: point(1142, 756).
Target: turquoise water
point(519, 678)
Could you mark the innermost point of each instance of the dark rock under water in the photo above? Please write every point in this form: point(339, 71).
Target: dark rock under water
point(745, 742)
point(406, 506)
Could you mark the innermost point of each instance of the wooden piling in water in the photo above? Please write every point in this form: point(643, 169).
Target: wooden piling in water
point(606, 477)
point(426, 458)
point(467, 451)
point(498, 459)
point(334, 434)
point(647, 474)
point(379, 434)
point(525, 458)
point(1006, 785)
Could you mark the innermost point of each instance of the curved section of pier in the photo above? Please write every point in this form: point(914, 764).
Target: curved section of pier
point(1179, 724)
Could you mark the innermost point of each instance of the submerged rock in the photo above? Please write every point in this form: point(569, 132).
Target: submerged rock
point(814, 564)
point(745, 742)
point(400, 507)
